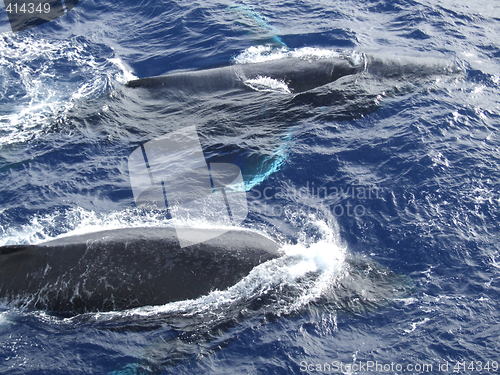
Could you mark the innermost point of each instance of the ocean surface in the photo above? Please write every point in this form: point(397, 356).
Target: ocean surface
point(382, 189)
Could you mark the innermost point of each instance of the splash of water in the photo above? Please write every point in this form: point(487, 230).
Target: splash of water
point(262, 53)
point(42, 79)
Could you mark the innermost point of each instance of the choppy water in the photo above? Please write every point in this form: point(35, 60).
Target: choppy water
point(383, 189)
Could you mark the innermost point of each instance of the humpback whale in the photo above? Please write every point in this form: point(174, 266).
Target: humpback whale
point(126, 268)
point(297, 73)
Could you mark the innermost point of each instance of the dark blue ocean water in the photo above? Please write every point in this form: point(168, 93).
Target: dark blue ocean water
point(383, 190)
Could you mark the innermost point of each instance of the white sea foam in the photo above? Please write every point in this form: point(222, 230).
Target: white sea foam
point(262, 83)
point(263, 53)
point(126, 72)
point(414, 325)
point(4, 321)
point(77, 221)
point(42, 79)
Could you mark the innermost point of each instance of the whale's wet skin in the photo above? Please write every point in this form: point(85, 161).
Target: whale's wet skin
point(122, 269)
point(369, 162)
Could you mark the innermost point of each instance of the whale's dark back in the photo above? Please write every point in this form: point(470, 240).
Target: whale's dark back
point(126, 268)
point(299, 75)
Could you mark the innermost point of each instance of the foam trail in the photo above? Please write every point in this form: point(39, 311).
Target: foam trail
point(42, 97)
point(77, 221)
point(126, 71)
